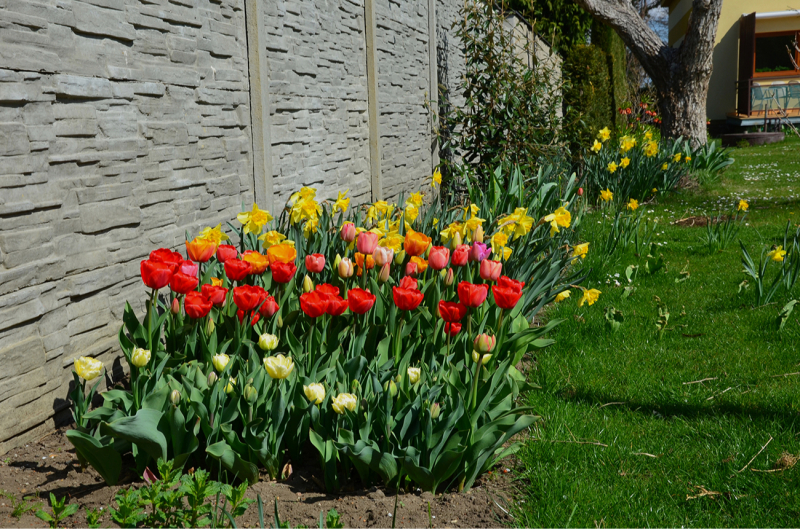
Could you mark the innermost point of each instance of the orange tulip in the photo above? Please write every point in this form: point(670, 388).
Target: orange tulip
point(282, 253)
point(421, 263)
point(258, 262)
point(416, 243)
point(360, 263)
point(200, 250)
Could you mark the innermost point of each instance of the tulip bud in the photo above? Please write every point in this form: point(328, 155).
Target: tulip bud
point(212, 378)
point(175, 397)
point(337, 261)
point(230, 385)
point(580, 191)
point(348, 232)
point(176, 307)
point(383, 276)
point(267, 342)
point(391, 387)
point(308, 285)
point(449, 278)
point(478, 235)
point(345, 268)
point(355, 386)
point(480, 357)
point(250, 394)
point(436, 409)
point(280, 322)
point(484, 343)
point(456, 241)
point(210, 326)
point(400, 257)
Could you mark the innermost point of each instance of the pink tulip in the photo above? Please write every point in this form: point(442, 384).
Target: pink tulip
point(315, 263)
point(491, 270)
point(367, 242)
point(348, 232)
point(438, 257)
point(382, 256)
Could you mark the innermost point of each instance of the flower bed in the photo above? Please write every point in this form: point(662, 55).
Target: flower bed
point(353, 337)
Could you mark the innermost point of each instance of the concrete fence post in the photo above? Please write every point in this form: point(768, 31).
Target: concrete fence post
point(372, 101)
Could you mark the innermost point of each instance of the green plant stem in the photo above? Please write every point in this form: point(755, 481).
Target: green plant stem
point(474, 400)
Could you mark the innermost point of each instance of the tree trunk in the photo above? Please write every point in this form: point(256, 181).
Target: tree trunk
point(680, 75)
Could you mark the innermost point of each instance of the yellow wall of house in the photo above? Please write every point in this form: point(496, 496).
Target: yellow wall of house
point(722, 88)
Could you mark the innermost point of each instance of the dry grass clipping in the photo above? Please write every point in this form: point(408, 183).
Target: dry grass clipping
point(785, 462)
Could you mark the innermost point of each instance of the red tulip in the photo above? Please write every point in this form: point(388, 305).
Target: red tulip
point(452, 312)
point(254, 315)
point(472, 295)
point(166, 256)
point(282, 272)
point(315, 263)
point(366, 242)
point(411, 269)
point(360, 300)
point(182, 283)
point(490, 270)
point(452, 328)
point(269, 307)
point(189, 268)
point(409, 282)
point(506, 298)
point(248, 297)
point(225, 252)
point(438, 257)
point(460, 255)
point(215, 295)
point(197, 305)
point(337, 305)
point(406, 298)
point(236, 269)
point(328, 290)
point(156, 275)
point(314, 304)
point(580, 191)
point(507, 282)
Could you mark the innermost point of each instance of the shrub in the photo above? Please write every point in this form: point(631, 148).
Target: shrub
point(586, 94)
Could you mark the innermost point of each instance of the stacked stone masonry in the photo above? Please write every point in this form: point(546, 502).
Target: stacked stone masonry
point(125, 124)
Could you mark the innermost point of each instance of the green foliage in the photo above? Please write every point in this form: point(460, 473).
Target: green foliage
point(20, 507)
point(60, 511)
point(564, 24)
point(628, 228)
point(333, 520)
point(586, 94)
point(709, 157)
point(93, 518)
point(510, 110)
point(787, 268)
point(605, 38)
point(722, 230)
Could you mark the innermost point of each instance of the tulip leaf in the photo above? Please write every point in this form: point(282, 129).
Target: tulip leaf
point(104, 459)
point(157, 399)
point(233, 462)
point(140, 429)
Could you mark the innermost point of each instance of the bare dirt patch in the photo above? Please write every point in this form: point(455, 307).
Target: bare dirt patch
point(697, 221)
point(50, 465)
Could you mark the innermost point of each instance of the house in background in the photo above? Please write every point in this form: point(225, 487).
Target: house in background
point(756, 62)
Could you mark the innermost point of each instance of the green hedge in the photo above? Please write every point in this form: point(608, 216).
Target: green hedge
point(586, 94)
point(607, 40)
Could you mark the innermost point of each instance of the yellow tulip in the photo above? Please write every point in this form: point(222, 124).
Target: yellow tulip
point(279, 366)
point(315, 392)
point(268, 342)
point(344, 401)
point(88, 368)
point(140, 357)
point(413, 374)
point(220, 361)
point(230, 385)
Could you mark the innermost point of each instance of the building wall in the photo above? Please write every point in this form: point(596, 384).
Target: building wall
point(722, 88)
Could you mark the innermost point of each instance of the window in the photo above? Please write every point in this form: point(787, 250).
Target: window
point(772, 54)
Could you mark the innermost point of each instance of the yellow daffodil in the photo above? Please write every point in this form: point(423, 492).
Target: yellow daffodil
point(436, 179)
point(456, 228)
point(625, 162)
point(393, 241)
point(214, 235)
point(271, 238)
point(743, 206)
point(665, 166)
point(310, 227)
point(560, 217)
point(677, 157)
point(604, 134)
point(472, 224)
point(315, 392)
point(88, 368)
point(650, 149)
point(415, 199)
point(590, 296)
point(597, 146)
point(344, 401)
point(341, 203)
point(777, 254)
point(254, 220)
point(304, 194)
point(606, 195)
point(648, 135)
point(626, 143)
point(633, 204)
point(561, 296)
point(411, 212)
point(580, 250)
point(655, 190)
point(687, 159)
point(279, 366)
point(499, 246)
point(435, 222)
point(612, 167)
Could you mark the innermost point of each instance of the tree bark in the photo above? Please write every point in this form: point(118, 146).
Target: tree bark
point(680, 75)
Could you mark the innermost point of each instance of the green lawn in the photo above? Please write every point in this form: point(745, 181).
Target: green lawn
point(668, 452)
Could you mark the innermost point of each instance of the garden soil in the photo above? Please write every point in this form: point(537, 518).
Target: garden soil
point(50, 465)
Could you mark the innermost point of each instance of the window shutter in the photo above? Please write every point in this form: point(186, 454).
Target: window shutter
point(747, 51)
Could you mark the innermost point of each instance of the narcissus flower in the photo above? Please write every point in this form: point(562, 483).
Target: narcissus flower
point(777, 254)
point(677, 157)
point(606, 195)
point(140, 357)
point(225, 252)
point(197, 305)
point(254, 220)
point(589, 295)
point(472, 295)
point(406, 298)
point(215, 294)
point(633, 204)
point(360, 300)
point(200, 250)
point(214, 235)
point(271, 238)
point(341, 203)
point(416, 243)
point(268, 342)
point(220, 361)
point(236, 270)
point(604, 134)
point(743, 206)
point(665, 166)
point(597, 146)
point(436, 179)
point(279, 366)
point(626, 143)
point(88, 368)
point(625, 162)
point(315, 392)
point(282, 272)
point(452, 312)
point(650, 149)
point(344, 401)
point(561, 296)
point(499, 246)
point(580, 250)
point(413, 374)
point(560, 217)
point(156, 275)
point(612, 167)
